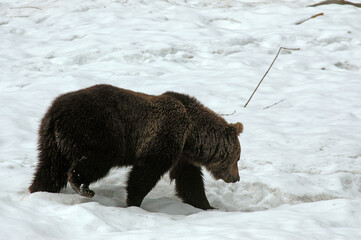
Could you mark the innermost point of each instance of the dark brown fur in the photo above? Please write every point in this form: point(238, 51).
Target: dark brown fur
point(86, 133)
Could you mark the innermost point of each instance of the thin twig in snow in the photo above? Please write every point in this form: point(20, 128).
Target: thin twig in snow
point(274, 104)
point(228, 114)
point(304, 20)
point(292, 49)
point(341, 2)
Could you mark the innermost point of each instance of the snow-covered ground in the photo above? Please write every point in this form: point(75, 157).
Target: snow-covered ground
point(301, 158)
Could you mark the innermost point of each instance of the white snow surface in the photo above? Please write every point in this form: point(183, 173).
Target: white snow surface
point(301, 158)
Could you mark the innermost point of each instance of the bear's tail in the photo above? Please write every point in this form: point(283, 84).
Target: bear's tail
point(52, 169)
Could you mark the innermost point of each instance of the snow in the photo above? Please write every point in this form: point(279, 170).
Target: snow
point(301, 158)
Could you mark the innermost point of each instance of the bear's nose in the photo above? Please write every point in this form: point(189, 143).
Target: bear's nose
point(232, 179)
point(236, 179)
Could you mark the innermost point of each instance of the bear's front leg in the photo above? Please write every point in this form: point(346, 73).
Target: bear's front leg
point(141, 180)
point(189, 184)
point(159, 146)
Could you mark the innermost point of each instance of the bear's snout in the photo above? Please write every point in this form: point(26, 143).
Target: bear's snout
point(234, 175)
point(232, 179)
point(236, 179)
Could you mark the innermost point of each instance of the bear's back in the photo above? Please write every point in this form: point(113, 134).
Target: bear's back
point(100, 101)
point(105, 115)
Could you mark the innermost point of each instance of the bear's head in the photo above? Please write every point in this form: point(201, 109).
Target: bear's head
point(223, 164)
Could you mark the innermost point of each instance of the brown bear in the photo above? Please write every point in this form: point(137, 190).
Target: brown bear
point(87, 132)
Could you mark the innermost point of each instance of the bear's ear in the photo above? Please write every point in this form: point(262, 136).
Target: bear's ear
point(238, 126)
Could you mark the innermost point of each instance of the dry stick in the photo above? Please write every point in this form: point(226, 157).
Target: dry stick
point(314, 16)
point(274, 104)
point(342, 2)
point(228, 114)
point(292, 49)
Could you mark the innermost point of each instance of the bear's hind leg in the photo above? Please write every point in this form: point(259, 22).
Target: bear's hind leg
point(189, 184)
point(87, 170)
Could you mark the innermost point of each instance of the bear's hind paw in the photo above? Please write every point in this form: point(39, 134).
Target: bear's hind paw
point(86, 192)
point(83, 190)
